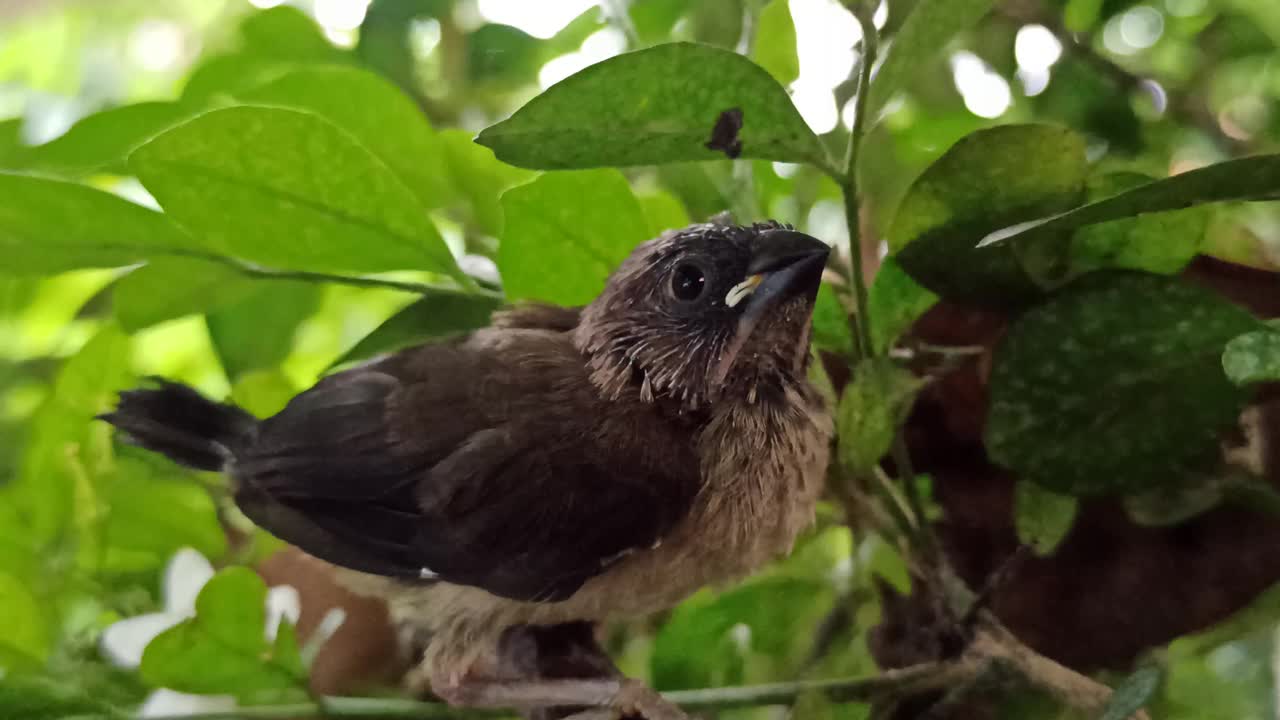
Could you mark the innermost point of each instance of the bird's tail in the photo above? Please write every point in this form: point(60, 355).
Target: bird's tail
point(182, 424)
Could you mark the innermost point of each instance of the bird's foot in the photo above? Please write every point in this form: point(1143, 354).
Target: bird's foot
point(619, 698)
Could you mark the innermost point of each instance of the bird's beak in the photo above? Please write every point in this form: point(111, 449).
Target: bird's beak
point(784, 264)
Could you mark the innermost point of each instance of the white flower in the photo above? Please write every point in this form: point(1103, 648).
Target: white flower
point(124, 642)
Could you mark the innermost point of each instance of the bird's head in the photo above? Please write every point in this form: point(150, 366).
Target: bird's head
point(703, 312)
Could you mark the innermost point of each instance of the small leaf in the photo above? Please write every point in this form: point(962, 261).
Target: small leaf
point(923, 36)
point(479, 178)
point(101, 142)
point(289, 33)
point(1162, 243)
point(48, 226)
point(565, 232)
point(39, 698)
point(874, 405)
point(256, 332)
point(652, 106)
point(263, 392)
point(224, 648)
point(288, 189)
point(1174, 502)
point(1132, 693)
point(27, 631)
point(434, 316)
point(153, 513)
point(1253, 358)
point(1114, 384)
point(979, 184)
point(375, 112)
point(894, 303)
point(1042, 518)
point(1250, 178)
point(169, 288)
point(831, 323)
point(775, 44)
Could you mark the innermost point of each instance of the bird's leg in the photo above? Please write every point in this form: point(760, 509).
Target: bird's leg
point(625, 697)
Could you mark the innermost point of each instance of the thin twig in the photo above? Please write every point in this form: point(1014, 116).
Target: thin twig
point(849, 181)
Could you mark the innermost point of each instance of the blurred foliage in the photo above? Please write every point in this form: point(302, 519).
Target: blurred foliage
point(243, 199)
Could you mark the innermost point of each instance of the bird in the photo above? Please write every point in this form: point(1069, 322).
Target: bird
point(558, 467)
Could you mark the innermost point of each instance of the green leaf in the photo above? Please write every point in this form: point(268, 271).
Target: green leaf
point(170, 288)
point(1174, 502)
point(288, 189)
point(1042, 518)
point(652, 106)
point(1253, 358)
point(27, 631)
point(874, 405)
point(153, 512)
point(1132, 693)
point(894, 303)
point(1114, 384)
point(256, 332)
point(831, 323)
point(40, 698)
point(982, 183)
point(102, 141)
point(376, 113)
point(1249, 178)
point(289, 33)
point(223, 649)
point(1162, 243)
point(434, 316)
point(48, 226)
point(664, 211)
point(479, 178)
point(65, 447)
point(263, 392)
point(565, 232)
point(923, 36)
point(775, 44)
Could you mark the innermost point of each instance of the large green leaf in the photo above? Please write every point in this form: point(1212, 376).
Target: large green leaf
point(1114, 384)
point(223, 649)
point(652, 106)
point(48, 226)
point(375, 112)
point(983, 183)
point(288, 189)
point(431, 317)
point(923, 36)
point(1162, 243)
point(256, 332)
point(170, 288)
point(1249, 178)
point(102, 141)
point(1253, 357)
point(565, 232)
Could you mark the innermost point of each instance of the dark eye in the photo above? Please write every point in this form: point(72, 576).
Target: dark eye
point(688, 282)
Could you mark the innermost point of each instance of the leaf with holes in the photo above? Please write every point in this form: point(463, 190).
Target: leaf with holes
point(651, 106)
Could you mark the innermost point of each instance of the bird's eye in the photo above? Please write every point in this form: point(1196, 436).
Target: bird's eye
point(688, 282)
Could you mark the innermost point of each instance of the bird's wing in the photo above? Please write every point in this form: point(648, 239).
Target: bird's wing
point(471, 466)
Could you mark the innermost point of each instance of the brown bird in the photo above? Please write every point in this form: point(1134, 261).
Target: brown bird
point(559, 467)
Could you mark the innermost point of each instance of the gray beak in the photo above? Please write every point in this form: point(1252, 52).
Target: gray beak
point(784, 264)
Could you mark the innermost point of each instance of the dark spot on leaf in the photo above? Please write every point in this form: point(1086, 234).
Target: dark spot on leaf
point(724, 136)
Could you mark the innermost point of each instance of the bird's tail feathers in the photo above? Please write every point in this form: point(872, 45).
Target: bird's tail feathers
point(182, 424)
